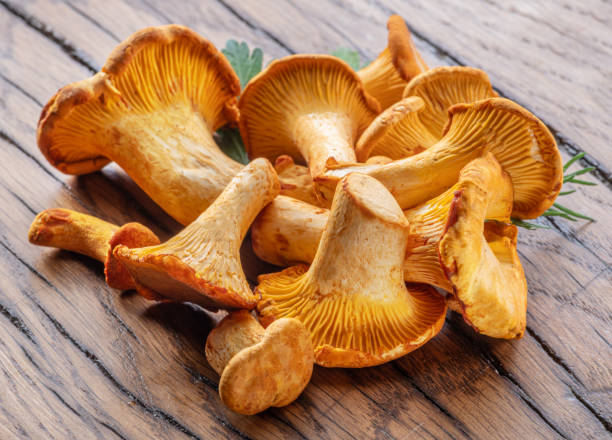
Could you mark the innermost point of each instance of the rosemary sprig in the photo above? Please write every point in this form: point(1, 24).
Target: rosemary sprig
point(558, 210)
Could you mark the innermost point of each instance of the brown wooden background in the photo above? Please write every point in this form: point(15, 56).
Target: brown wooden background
point(78, 360)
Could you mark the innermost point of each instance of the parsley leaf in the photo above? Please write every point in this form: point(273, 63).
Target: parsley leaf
point(351, 57)
point(230, 142)
point(246, 64)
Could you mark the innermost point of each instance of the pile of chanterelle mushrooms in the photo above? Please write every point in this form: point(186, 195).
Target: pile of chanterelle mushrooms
point(387, 181)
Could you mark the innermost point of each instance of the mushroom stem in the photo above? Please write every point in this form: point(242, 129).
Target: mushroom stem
point(234, 333)
point(325, 138)
point(172, 156)
point(201, 264)
point(72, 231)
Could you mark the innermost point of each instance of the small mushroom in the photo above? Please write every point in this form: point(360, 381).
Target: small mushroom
point(386, 77)
point(310, 107)
point(152, 109)
point(353, 298)
point(201, 264)
point(259, 368)
point(417, 121)
point(91, 236)
point(520, 142)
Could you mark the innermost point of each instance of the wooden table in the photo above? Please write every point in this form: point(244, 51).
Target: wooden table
point(80, 360)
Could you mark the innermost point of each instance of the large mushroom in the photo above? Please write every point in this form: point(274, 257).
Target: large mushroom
point(201, 264)
point(417, 121)
point(152, 109)
point(386, 77)
point(259, 367)
point(520, 142)
point(310, 107)
point(91, 236)
point(485, 277)
point(353, 298)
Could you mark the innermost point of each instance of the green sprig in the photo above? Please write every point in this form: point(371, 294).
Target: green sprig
point(558, 210)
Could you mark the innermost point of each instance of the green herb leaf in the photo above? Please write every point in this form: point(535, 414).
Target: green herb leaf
point(572, 213)
point(527, 225)
point(570, 162)
point(230, 142)
point(351, 57)
point(245, 63)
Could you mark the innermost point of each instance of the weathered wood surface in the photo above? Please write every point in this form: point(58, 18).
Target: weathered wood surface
point(79, 360)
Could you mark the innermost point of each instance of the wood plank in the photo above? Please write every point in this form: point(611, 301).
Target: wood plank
point(360, 401)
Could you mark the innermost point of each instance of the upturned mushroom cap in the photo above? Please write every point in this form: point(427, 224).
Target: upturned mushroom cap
point(310, 107)
point(485, 271)
point(417, 121)
point(520, 142)
point(442, 87)
point(152, 109)
point(386, 77)
point(201, 264)
point(91, 236)
point(259, 368)
point(353, 298)
point(396, 133)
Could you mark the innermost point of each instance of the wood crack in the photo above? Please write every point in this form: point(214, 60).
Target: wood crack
point(458, 423)
point(17, 323)
point(93, 21)
point(605, 422)
point(112, 429)
point(45, 30)
point(255, 27)
point(21, 90)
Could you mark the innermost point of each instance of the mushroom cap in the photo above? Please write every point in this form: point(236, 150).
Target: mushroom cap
point(486, 273)
point(132, 235)
point(521, 143)
point(385, 78)
point(154, 67)
point(442, 87)
point(295, 86)
point(201, 264)
point(273, 372)
point(353, 298)
point(397, 132)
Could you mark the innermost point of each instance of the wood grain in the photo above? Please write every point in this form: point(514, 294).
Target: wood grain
point(79, 360)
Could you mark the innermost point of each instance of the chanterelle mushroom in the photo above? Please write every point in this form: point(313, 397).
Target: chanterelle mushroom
point(153, 109)
point(386, 77)
point(259, 368)
point(296, 181)
point(487, 274)
point(310, 107)
point(417, 121)
point(88, 235)
point(201, 264)
point(520, 142)
point(353, 298)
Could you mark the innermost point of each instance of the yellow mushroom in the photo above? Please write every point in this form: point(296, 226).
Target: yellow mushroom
point(386, 77)
point(447, 247)
point(353, 298)
point(259, 368)
point(152, 109)
point(520, 142)
point(310, 107)
point(296, 181)
point(417, 121)
point(201, 264)
point(91, 236)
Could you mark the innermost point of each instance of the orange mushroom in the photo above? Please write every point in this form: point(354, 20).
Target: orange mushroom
point(310, 107)
point(91, 236)
point(201, 264)
point(386, 77)
point(417, 121)
point(520, 142)
point(259, 368)
point(353, 298)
